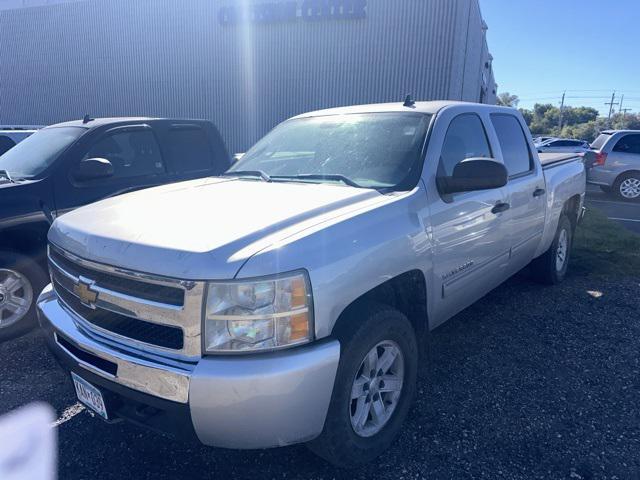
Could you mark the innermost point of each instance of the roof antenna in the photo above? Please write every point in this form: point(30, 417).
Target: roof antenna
point(409, 102)
point(87, 119)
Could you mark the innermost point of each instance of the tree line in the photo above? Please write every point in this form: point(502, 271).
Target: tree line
point(577, 122)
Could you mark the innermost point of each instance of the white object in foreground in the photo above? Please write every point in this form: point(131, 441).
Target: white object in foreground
point(28, 444)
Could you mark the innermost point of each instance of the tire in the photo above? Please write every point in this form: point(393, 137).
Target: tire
point(605, 188)
point(384, 329)
point(627, 187)
point(549, 268)
point(21, 280)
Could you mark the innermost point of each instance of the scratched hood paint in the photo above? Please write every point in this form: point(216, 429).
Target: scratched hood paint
point(202, 229)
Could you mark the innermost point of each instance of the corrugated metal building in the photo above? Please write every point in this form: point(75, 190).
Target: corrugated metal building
point(245, 64)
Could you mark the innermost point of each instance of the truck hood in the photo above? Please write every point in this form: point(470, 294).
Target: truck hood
point(201, 229)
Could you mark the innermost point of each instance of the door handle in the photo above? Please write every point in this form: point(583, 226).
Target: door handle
point(538, 192)
point(500, 207)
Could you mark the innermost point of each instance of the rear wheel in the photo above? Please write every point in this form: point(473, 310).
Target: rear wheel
point(21, 280)
point(551, 267)
point(374, 387)
point(627, 186)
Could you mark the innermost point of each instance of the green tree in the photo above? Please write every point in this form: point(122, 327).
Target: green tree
point(505, 99)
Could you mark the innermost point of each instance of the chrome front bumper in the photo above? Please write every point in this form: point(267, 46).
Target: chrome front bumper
point(243, 402)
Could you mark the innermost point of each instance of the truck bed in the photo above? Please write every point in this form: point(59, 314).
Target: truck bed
point(551, 159)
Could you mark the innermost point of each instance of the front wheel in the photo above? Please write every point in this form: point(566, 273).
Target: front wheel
point(374, 387)
point(21, 280)
point(551, 267)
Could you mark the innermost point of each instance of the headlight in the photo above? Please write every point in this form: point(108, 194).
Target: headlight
point(264, 314)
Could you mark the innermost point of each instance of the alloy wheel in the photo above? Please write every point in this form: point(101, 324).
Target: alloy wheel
point(16, 295)
point(376, 388)
point(562, 250)
point(630, 188)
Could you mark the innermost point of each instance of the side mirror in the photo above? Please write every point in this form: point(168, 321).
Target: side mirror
point(93, 169)
point(474, 174)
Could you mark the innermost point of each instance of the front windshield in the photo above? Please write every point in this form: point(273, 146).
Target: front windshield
point(372, 150)
point(34, 154)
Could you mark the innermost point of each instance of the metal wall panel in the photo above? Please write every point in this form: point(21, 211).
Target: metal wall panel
point(173, 58)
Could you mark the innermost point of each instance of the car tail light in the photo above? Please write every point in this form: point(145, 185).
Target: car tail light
point(601, 157)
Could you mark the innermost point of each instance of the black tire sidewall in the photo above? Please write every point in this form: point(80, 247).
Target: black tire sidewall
point(339, 443)
point(38, 279)
point(563, 224)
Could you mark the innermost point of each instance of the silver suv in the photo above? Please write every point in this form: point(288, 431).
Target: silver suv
point(563, 145)
point(616, 168)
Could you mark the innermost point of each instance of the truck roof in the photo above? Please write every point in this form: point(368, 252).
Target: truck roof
point(98, 122)
point(431, 107)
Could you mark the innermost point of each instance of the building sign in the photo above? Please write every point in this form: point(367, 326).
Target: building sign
point(291, 11)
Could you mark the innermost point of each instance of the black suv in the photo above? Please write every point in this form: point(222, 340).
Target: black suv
point(68, 165)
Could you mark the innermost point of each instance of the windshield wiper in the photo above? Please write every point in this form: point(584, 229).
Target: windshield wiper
point(248, 173)
point(320, 176)
point(5, 174)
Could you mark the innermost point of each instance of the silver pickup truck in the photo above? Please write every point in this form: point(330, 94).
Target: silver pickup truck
point(289, 300)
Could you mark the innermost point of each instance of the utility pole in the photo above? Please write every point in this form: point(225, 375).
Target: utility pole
point(621, 100)
point(611, 104)
point(625, 110)
point(561, 112)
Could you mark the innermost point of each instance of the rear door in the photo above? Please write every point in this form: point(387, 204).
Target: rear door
point(471, 243)
point(134, 152)
point(525, 218)
point(625, 154)
point(193, 150)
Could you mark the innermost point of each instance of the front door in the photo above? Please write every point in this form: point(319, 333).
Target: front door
point(137, 163)
point(470, 240)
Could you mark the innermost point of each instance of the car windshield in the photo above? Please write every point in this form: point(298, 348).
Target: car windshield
point(372, 150)
point(33, 155)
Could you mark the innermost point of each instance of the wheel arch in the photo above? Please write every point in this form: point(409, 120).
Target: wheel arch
point(406, 292)
point(571, 209)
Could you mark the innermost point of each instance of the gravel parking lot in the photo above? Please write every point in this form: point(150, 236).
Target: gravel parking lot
point(530, 382)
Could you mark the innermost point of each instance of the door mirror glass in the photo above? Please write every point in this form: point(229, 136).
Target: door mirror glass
point(474, 174)
point(93, 169)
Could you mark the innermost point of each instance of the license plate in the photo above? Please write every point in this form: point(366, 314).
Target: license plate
point(90, 396)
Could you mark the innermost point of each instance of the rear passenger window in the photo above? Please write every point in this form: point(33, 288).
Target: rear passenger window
point(628, 144)
point(189, 149)
point(515, 149)
point(465, 138)
point(133, 153)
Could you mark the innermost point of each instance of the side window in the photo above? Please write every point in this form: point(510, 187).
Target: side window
point(132, 153)
point(465, 138)
point(188, 149)
point(628, 144)
point(6, 144)
point(515, 149)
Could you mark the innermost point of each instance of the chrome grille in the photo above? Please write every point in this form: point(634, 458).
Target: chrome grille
point(138, 310)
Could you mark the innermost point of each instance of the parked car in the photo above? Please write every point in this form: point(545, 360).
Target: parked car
point(71, 164)
point(616, 168)
point(298, 312)
point(12, 135)
point(563, 145)
point(539, 140)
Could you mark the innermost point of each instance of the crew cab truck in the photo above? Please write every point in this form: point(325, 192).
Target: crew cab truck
point(71, 164)
point(298, 313)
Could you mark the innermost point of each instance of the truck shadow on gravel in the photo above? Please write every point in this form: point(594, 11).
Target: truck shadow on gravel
point(530, 382)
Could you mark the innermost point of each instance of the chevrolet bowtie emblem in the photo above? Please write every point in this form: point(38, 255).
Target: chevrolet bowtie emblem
point(83, 290)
